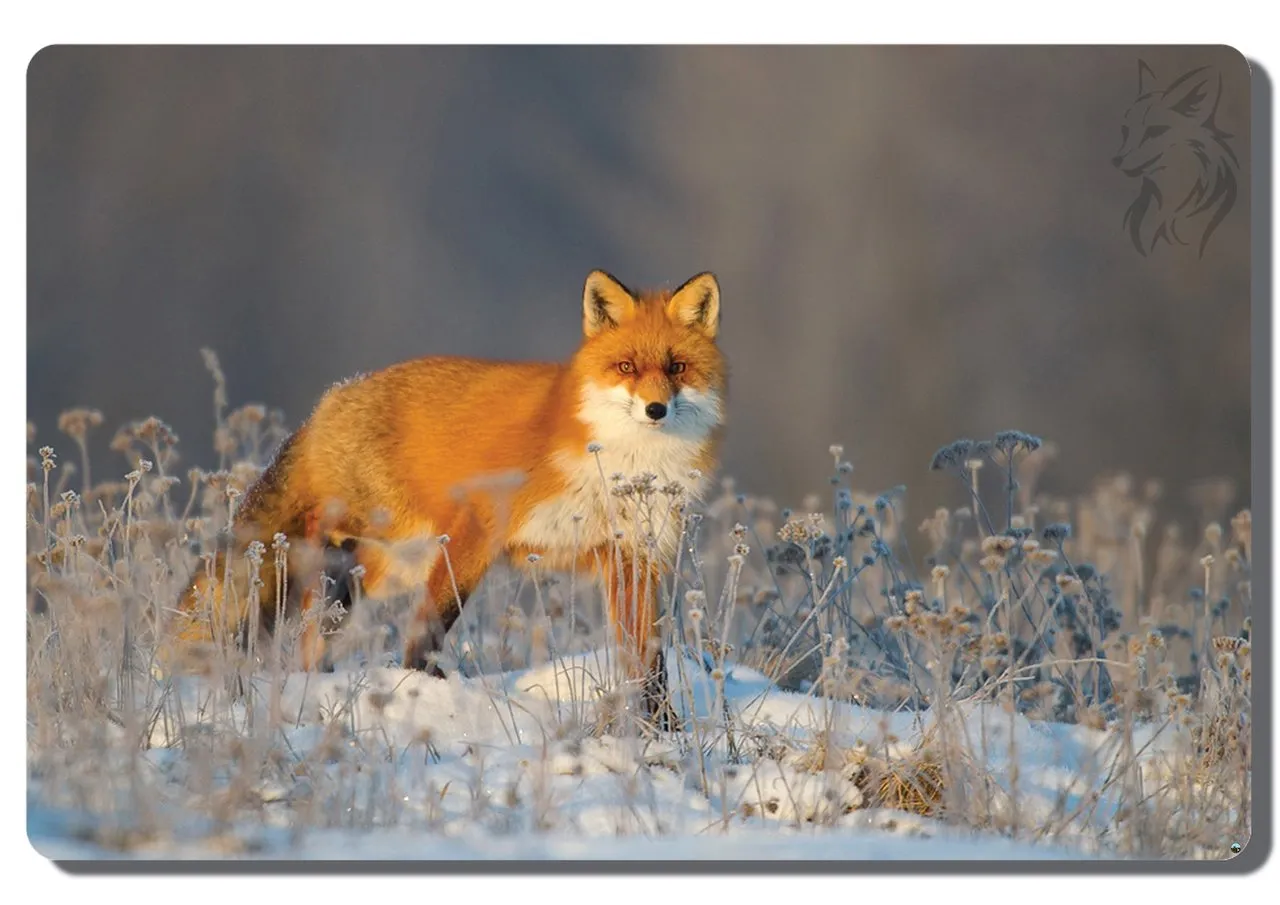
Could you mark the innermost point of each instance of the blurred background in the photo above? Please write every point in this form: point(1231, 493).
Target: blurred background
point(914, 244)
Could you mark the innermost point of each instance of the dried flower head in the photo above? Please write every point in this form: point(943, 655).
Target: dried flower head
point(76, 423)
point(1227, 643)
point(1057, 532)
point(644, 482)
point(801, 530)
point(155, 432)
point(992, 564)
point(999, 544)
point(1242, 527)
point(952, 455)
point(1069, 584)
point(1009, 442)
point(1042, 557)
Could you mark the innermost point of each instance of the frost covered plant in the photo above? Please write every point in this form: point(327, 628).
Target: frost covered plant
point(827, 666)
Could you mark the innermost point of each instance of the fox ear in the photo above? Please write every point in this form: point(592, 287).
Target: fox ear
point(1190, 94)
point(696, 304)
point(1146, 77)
point(605, 302)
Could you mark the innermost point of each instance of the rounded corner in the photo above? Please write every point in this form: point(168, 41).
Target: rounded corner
point(1253, 854)
point(1235, 54)
point(41, 54)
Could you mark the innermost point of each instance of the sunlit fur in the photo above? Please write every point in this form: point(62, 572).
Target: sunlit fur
point(507, 459)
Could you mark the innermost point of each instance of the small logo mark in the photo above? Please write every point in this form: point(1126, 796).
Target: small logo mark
point(1186, 169)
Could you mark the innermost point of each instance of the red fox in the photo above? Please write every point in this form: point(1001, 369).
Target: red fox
point(427, 471)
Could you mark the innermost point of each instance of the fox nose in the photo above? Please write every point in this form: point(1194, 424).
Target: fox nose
point(656, 411)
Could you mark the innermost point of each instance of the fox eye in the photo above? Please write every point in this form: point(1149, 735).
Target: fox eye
point(1153, 131)
point(626, 367)
point(676, 367)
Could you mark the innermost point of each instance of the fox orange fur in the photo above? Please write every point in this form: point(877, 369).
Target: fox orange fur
point(426, 472)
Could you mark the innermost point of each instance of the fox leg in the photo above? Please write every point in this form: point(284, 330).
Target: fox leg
point(450, 581)
point(205, 616)
point(311, 645)
point(631, 588)
point(329, 557)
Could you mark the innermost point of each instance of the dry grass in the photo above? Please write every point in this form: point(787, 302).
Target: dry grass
point(1010, 610)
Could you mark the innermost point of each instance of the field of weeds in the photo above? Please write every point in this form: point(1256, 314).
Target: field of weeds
point(1008, 676)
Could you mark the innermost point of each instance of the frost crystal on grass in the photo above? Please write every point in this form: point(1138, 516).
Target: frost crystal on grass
point(849, 691)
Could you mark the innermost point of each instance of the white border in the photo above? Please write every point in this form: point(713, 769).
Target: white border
point(30, 26)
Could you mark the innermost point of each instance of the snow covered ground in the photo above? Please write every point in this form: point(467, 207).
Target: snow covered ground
point(874, 842)
point(384, 764)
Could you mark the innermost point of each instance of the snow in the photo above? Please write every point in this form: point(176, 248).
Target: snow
point(387, 764)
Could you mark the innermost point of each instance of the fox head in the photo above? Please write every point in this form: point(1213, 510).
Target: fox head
point(1169, 141)
point(649, 365)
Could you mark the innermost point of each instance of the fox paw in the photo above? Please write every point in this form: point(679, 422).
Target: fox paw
point(417, 656)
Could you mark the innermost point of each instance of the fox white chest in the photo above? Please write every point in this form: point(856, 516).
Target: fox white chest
point(633, 492)
point(630, 479)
